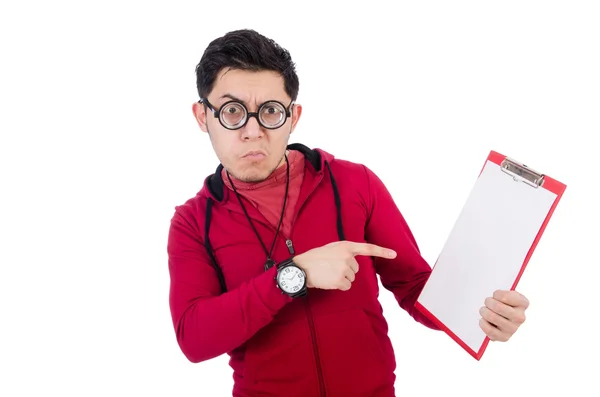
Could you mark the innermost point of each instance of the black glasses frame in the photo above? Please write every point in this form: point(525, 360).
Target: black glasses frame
point(217, 113)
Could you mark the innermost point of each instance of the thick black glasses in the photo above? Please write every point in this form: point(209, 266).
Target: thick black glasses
point(233, 115)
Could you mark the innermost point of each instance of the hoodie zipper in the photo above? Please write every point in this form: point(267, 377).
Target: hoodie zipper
point(311, 324)
point(313, 335)
point(309, 316)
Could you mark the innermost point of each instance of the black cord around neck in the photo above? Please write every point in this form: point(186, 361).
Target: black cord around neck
point(269, 262)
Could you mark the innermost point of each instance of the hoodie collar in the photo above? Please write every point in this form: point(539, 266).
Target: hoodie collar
point(315, 157)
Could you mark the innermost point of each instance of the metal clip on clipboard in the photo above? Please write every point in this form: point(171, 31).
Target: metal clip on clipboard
point(522, 173)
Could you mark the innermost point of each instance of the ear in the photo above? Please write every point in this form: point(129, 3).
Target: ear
point(296, 113)
point(199, 111)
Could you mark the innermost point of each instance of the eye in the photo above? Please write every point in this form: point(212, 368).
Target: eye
point(233, 114)
point(272, 114)
point(232, 109)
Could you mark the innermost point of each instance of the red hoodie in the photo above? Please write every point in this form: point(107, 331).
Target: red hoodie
point(328, 343)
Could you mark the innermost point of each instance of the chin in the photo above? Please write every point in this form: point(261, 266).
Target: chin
point(252, 178)
point(252, 174)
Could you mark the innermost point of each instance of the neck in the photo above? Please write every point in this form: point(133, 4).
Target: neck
point(282, 161)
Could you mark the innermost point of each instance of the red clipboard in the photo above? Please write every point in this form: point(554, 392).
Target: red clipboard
point(489, 246)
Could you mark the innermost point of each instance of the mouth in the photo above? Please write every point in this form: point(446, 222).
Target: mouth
point(254, 155)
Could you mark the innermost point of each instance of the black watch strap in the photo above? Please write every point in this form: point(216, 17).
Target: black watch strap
point(288, 261)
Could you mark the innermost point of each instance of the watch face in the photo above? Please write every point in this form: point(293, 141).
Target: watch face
point(291, 279)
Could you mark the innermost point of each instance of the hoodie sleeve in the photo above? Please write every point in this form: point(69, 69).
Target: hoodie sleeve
point(405, 275)
point(208, 323)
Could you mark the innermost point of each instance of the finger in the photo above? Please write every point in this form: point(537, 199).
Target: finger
point(368, 249)
point(498, 321)
point(353, 265)
point(495, 334)
point(516, 315)
point(345, 284)
point(499, 308)
point(511, 298)
point(349, 274)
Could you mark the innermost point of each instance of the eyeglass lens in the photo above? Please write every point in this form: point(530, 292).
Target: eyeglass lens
point(270, 114)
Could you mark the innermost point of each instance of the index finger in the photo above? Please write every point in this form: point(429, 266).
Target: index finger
point(511, 298)
point(368, 249)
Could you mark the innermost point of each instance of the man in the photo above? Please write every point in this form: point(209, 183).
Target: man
point(275, 260)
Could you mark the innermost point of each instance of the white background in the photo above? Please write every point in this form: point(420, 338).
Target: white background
point(98, 144)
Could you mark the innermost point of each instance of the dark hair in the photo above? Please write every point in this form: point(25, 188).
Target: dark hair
point(246, 50)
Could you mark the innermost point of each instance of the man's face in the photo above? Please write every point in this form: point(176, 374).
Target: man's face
point(252, 152)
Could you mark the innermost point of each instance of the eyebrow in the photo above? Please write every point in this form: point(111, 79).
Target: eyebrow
point(232, 97)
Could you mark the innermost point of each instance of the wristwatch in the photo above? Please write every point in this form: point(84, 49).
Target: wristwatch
point(291, 279)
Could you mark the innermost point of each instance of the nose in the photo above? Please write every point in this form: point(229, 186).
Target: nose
point(252, 130)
